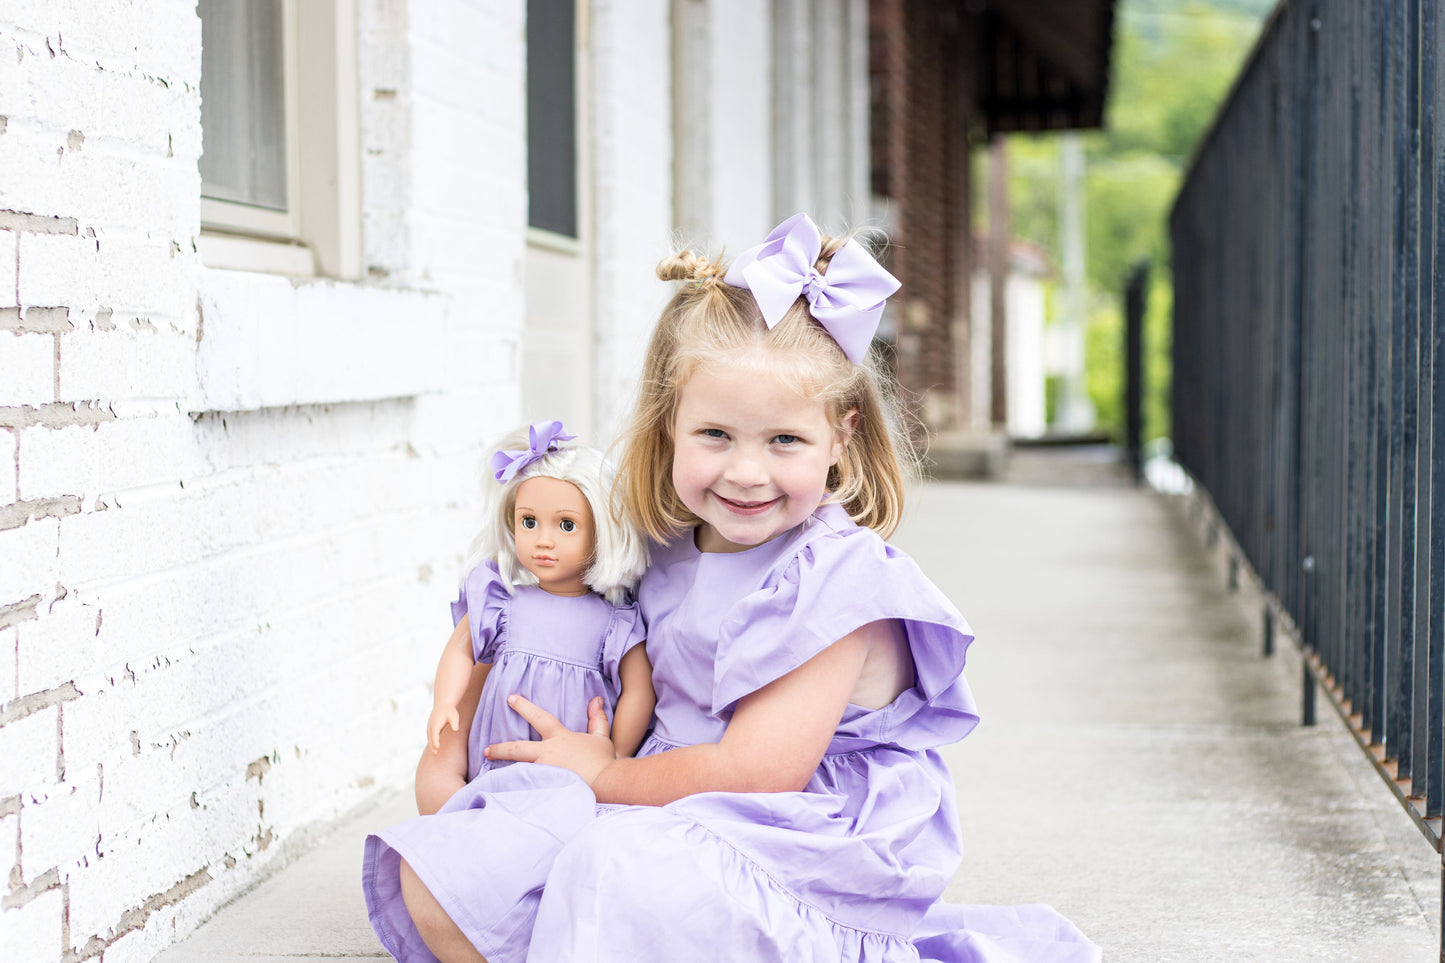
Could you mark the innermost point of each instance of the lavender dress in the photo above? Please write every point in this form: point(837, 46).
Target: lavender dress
point(851, 868)
point(558, 651)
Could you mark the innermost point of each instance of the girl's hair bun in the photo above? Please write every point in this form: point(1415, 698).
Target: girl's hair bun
point(687, 266)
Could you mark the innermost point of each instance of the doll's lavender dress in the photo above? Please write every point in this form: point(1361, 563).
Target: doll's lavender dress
point(558, 651)
point(851, 868)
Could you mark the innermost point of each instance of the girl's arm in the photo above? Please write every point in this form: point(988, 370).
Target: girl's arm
point(633, 713)
point(774, 742)
point(441, 773)
point(454, 673)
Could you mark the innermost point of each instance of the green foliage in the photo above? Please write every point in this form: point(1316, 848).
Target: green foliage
point(1104, 365)
point(1173, 64)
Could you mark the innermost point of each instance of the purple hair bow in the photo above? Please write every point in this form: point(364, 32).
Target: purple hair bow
point(847, 301)
point(542, 437)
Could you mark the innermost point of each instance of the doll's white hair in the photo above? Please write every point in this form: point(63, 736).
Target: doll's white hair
point(619, 555)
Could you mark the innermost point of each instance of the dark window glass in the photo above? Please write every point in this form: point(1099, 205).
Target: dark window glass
point(552, 116)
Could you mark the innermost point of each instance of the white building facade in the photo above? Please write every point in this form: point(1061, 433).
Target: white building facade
point(247, 391)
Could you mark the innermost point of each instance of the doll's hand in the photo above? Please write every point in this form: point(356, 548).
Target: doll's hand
point(441, 717)
point(585, 753)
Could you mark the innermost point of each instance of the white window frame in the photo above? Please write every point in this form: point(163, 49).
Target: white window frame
point(320, 233)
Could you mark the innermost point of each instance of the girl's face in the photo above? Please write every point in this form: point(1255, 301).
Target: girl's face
point(751, 455)
point(553, 529)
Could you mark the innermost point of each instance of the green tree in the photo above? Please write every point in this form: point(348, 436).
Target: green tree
point(1173, 64)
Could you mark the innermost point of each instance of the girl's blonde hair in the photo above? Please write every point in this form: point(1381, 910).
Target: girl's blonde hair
point(619, 555)
point(709, 322)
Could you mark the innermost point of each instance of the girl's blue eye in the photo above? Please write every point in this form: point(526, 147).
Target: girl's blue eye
point(714, 433)
point(785, 439)
point(529, 521)
point(568, 525)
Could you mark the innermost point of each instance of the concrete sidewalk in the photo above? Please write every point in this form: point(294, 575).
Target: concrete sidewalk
point(1140, 766)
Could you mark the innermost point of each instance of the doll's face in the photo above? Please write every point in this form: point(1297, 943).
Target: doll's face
point(553, 528)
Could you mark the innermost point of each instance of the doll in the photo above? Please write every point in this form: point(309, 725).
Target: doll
point(545, 602)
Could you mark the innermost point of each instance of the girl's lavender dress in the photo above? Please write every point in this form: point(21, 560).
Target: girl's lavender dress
point(558, 651)
point(851, 868)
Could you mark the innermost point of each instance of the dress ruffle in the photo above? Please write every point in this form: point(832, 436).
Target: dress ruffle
point(483, 598)
point(835, 579)
point(626, 631)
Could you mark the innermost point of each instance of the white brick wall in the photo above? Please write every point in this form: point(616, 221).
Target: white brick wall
point(632, 117)
point(232, 505)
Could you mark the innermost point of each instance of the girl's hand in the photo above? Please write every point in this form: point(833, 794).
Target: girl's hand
point(441, 717)
point(585, 753)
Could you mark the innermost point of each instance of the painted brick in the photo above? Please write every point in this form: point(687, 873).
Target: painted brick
point(9, 672)
point(7, 259)
point(106, 457)
point(107, 184)
point(245, 439)
point(234, 605)
point(9, 839)
point(59, 269)
point(30, 747)
point(449, 23)
point(27, 369)
point(33, 181)
point(267, 343)
point(161, 527)
point(8, 471)
point(62, 829)
point(32, 933)
point(55, 648)
point(120, 39)
point(153, 362)
point(60, 93)
point(123, 273)
point(130, 870)
point(29, 561)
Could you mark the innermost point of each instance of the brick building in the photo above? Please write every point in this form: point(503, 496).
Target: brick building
point(947, 75)
point(268, 287)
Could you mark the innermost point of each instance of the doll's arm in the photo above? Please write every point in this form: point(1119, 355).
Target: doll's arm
point(454, 672)
point(635, 702)
point(774, 742)
point(440, 774)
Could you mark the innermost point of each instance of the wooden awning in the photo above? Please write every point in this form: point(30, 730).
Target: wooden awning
point(1044, 64)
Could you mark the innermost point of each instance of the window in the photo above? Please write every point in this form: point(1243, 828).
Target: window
point(280, 166)
point(552, 116)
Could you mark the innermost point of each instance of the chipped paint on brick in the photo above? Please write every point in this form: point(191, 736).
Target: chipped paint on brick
point(258, 769)
point(135, 918)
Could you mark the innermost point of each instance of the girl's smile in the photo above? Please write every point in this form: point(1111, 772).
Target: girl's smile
point(751, 455)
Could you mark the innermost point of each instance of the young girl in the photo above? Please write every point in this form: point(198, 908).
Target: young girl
point(790, 803)
point(544, 611)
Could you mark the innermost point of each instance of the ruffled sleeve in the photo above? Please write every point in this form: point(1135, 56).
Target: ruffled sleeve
point(626, 630)
point(833, 585)
point(484, 599)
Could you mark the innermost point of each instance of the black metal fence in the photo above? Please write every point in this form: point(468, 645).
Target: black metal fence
point(1309, 356)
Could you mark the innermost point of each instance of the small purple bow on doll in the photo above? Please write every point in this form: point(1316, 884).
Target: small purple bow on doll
point(847, 301)
point(542, 438)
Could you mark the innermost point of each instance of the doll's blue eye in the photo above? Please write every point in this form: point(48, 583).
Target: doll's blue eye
point(528, 521)
point(568, 525)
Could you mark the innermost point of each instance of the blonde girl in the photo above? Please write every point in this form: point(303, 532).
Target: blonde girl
point(790, 803)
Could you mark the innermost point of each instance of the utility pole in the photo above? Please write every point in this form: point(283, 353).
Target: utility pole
point(999, 230)
point(1075, 412)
